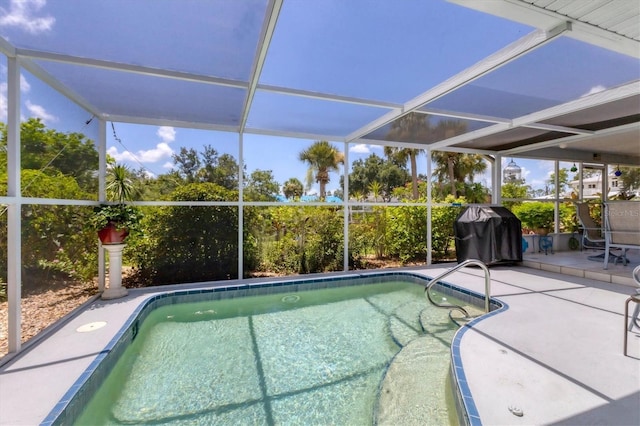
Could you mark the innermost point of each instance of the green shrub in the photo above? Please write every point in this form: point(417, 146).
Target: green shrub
point(189, 243)
point(56, 243)
point(535, 214)
point(306, 239)
point(568, 218)
point(442, 227)
point(407, 233)
point(281, 257)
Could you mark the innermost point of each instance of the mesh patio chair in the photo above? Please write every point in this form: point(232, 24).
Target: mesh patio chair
point(621, 228)
point(592, 237)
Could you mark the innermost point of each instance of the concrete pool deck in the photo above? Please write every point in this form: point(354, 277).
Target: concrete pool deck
point(556, 355)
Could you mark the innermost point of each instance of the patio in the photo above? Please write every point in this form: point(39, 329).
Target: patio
point(555, 354)
point(545, 81)
point(577, 263)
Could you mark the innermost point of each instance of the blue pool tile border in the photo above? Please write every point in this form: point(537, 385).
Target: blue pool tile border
point(467, 411)
point(79, 394)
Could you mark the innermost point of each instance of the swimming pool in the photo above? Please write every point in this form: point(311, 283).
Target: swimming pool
point(274, 353)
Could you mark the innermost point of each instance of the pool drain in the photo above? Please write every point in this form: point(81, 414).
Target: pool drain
point(292, 298)
point(91, 326)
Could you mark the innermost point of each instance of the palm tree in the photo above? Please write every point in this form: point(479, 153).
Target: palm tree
point(413, 127)
point(453, 167)
point(292, 188)
point(119, 186)
point(401, 156)
point(375, 189)
point(322, 158)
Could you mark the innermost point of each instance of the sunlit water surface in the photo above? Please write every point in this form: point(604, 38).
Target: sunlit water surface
point(317, 357)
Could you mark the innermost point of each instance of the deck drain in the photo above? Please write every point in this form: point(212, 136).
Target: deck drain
point(91, 326)
point(292, 298)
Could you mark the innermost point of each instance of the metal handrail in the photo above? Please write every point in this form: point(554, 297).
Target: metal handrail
point(487, 284)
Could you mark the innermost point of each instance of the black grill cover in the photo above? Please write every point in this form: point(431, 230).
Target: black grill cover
point(491, 234)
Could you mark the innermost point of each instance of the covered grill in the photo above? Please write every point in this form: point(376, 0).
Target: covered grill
point(491, 234)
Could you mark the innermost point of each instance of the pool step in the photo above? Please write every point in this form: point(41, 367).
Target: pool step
point(411, 391)
point(404, 323)
point(428, 317)
point(400, 332)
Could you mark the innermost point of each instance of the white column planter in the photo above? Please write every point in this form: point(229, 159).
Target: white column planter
point(115, 289)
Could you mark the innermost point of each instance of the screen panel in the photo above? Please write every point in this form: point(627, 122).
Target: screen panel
point(220, 41)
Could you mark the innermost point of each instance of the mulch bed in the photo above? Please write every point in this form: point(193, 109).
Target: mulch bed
point(41, 307)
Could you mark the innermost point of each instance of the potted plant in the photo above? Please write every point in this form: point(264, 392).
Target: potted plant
point(536, 215)
point(114, 221)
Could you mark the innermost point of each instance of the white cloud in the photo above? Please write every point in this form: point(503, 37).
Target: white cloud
point(21, 14)
point(38, 111)
point(124, 156)
point(166, 133)
point(595, 89)
point(168, 165)
point(24, 87)
point(24, 84)
point(362, 148)
point(161, 151)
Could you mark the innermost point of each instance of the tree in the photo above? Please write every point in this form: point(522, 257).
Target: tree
point(55, 238)
point(188, 163)
point(292, 188)
point(119, 186)
point(207, 166)
point(148, 187)
point(375, 189)
point(53, 152)
point(455, 169)
point(261, 186)
point(413, 127)
point(224, 172)
point(513, 190)
point(322, 158)
point(376, 169)
point(563, 180)
point(402, 155)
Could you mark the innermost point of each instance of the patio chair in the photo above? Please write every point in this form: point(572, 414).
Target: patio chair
point(592, 237)
point(621, 228)
point(592, 234)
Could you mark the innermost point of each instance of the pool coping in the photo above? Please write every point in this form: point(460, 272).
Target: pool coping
point(74, 399)
point(466, 409)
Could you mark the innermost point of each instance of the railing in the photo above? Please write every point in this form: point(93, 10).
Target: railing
point(487, 285)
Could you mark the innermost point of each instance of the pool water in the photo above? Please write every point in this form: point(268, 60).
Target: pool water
point(376, 353)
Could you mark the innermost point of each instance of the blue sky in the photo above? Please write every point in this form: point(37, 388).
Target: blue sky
point(331, 46)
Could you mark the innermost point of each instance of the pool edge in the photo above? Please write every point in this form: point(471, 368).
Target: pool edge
point(73, 402)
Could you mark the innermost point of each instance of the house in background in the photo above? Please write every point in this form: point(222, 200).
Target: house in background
point(592, 187)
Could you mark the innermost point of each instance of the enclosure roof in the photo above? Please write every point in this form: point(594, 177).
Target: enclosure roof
point(538, 78)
